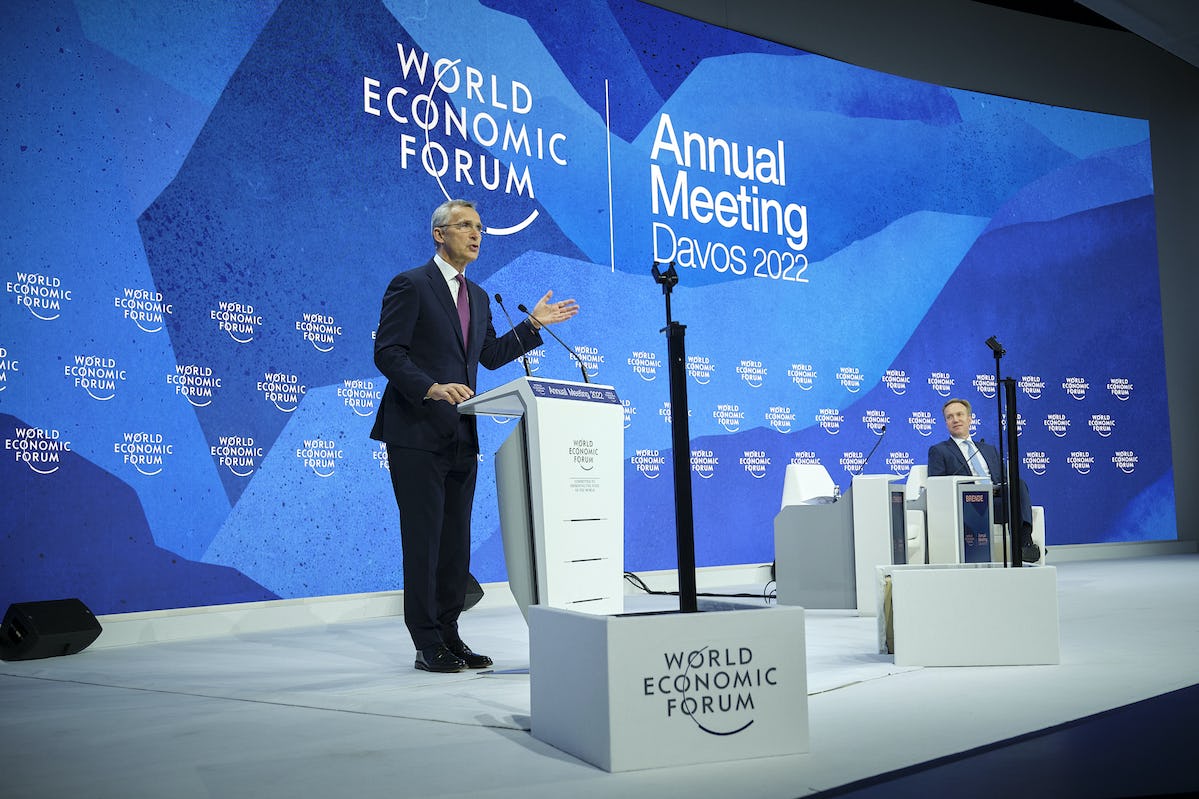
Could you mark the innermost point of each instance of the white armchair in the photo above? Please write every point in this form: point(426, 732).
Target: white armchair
point(917, 528)
point(806, 481)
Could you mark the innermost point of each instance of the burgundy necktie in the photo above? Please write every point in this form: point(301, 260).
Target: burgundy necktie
point(463, 307)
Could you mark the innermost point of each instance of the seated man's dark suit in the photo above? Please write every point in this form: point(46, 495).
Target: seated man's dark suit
point(946, 459)
point(433, 449)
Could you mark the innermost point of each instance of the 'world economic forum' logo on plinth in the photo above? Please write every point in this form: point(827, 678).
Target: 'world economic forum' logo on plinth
point(719, 689)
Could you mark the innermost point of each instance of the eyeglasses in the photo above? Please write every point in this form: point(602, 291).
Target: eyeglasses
point(466, 227)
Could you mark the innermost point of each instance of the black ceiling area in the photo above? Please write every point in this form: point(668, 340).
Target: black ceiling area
point(1172, 25)
point(1065, 10)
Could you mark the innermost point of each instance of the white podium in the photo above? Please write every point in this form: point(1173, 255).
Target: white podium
point(958, 516)
point(826, 552)
point(560, 485)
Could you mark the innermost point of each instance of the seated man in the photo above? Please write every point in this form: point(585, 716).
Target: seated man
point(959, 455)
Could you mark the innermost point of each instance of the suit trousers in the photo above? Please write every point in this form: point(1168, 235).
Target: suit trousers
point(435, 492)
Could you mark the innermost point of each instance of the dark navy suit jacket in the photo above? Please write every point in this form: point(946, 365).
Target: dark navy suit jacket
point(946, 459)
point(419, 343)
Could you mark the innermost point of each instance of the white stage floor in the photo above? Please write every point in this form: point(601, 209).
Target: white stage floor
point(339, 711)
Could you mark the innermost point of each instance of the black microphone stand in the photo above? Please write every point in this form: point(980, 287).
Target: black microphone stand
point(1014, 514)
point(1011, 483)
point(524, 358)
point(680, 438)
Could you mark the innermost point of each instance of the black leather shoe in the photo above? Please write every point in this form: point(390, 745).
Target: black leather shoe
point(1030, 553)
point(473, 660)
point(438, 658)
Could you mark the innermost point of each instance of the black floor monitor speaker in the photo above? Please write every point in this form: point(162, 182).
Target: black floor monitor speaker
point(33, 630)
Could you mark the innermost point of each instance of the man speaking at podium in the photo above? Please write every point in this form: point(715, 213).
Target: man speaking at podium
point(961, 455)
point(434, 331)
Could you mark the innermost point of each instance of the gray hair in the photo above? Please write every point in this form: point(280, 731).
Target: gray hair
point(442, 214)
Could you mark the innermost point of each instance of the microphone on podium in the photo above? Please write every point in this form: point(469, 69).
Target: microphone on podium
point(524, 355)
point(866, 460)
point(568, 348)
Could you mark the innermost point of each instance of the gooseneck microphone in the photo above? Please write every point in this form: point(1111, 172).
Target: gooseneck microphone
point(524, 355)
point(546, 328)
point(882, 433)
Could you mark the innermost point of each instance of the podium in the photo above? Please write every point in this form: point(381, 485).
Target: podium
point(560, 485)
point(959, 521)
point(826, 552)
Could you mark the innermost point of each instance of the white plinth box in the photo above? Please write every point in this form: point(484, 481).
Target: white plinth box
point(963, 616)
point(669, 689)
